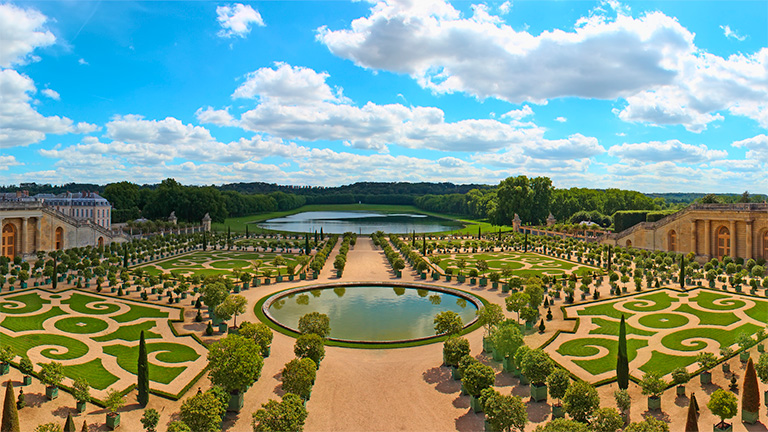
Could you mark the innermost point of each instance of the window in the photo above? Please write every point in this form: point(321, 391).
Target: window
point(723, 242)
point(629, 243)
point(9, 241)
point(59, 238)
point(101, 241)
point(672, 241)
point(765, 245)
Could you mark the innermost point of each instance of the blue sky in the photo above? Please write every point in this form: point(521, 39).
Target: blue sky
point(651, 96)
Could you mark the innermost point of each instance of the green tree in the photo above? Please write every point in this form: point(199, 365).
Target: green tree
point(652, 384)
point(723, 404)
point(537, 366)
point(231, 307)
point(490, 316)
point(692, 420)
point(202, 412)
point(507, 338)
point(448, 322)
point(234, 363)
point(150, 419)
point(557, 383)
point(10, 422)
point(316, 323)
point(581, 400)
point(622, 362)
point(81, 390)
point(750, 399)
point(259, 332)
point(516, 302)
point(178, 426)
point(69, 424)
point(48, 427)
point(114, 401)
point(52, 373)
point(214, 293)
point(286, 415)
point(649, 424)
point(534, 289)
point(563, 425)
point(477, 377)
point(298, 376)
point(143, 372)
point(454, 349)
point(502, 412)
point(606, 420)
point(310, 346)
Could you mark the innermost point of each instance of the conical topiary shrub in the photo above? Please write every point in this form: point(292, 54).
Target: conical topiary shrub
point(10, 421)
point(750, 399)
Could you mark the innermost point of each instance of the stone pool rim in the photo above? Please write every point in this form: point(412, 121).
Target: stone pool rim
point(477, 301)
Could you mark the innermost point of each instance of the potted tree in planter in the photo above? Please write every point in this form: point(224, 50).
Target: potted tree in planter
point(537, 366)
point(298, 376)
point(114, 401)
point(653, 386)
point(25, 366)
point(706, 361)
point(231, 307)
point(6, 355)
point(260, 333)
point(726, 353)
point(723, 404)
point(51, 374)
point(745, 342)
point(81, 391)
point(475, 378)
point(623, 402)
point(750, 400)
point(502, 412)
point(464, 363)
point(519, 355)
point(558, 382)
point(454, 349)
point(680, 377)
point(581, 400)
point(234, 363)
point(762, 372)
point(506, 339)
point(489, 316)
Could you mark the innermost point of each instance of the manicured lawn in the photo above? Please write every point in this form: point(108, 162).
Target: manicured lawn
point(138, 311)
point(30, 322)
point(685, 323)
point(94, 372)
point(171, 353)
point(89, 305)
point(69, 348)
point(29, 303)
point(81, 325)
point(523, 264)
point(130, 333)
point(222, 262)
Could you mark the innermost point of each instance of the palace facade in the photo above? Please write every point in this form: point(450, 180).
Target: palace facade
point(707, 230)
point(45, 222)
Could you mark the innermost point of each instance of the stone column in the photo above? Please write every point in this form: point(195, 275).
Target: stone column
point(708, 238)
point(733, 238)
point(748, 253)
point(24, 235)
point(39, 234)
point(693, 237)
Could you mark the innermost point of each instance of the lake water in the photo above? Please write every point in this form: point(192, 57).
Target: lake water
point(360, 222)
point(372, 313)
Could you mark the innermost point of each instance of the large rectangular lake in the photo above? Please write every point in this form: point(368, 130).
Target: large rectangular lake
point(360, 222)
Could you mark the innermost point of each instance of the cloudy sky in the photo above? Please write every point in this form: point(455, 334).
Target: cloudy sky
point(655, 96)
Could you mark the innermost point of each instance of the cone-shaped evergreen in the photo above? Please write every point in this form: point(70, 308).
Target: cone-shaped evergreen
point(610, 251)
point(682, 271)
point(750, 399)
point(692, 423)
point(143, 373)
point(69, 425)
point(85, 427)
point(424, 244)
point(306, 244)
point(622, 363)
point(10, 413)
point(55, 277)
point(695, 403)
point(322, 236)
point(205, 243)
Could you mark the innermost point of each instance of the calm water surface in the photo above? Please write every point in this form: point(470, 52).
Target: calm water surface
point(361, 222)
point(365, 313)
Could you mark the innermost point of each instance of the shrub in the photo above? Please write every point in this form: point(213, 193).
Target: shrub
point(454, 349)
point(581, 400)
point(298, 377)
point(536, 366)
point(286, 415)
point(723, 404)
point(558, 382)
point(448, 322)
point(316, 323)
point(477, 377)
point(310, 346)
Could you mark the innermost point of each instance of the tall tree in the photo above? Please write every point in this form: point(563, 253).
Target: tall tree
point(69, 425)
point(143, 372)
point(750, 399)
point(682, 271)
point(692, 422)
point(10, 413)
point(622, 362)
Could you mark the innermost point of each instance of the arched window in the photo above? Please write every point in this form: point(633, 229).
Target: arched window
point(9, 241)
point(59, 238)
point(723, 242)
point(765, 245)
point(101, 242)
point(629, 243)
point(672, 241)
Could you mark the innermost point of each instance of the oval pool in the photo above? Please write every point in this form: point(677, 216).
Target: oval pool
point(371, 312)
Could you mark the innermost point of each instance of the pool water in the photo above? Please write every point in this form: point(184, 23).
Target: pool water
point(372, 313)
point(360, 222)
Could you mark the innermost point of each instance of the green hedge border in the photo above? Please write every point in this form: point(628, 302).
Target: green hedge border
point(632, 377)
point(257, 310)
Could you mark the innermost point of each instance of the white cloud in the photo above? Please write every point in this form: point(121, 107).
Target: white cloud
point(726, 175)
point(21, 32)
point(8, 161)
point(727, 32)
point(651, 61)
point(561, 119)
point(672, 150)
point(236, 20)
point(83, 62)
point(757, 148)
point(519, 114)
point(209, 115)
point(53, 94)
point(505, 7)
point(297, 103)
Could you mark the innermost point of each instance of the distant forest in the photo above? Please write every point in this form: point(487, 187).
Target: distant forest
point(532, 198)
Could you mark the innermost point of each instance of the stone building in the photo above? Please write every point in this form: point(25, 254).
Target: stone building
point(31, 224)
point(707, 230)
